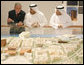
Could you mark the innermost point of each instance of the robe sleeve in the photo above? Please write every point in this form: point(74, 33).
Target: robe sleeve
point(27, 21)
point(68, 22)
point(53, 22)
point(43, 21)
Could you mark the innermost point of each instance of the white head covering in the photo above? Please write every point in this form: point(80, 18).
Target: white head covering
point(34, 7)
point(61, 9)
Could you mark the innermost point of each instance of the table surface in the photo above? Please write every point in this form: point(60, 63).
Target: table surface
point(47, 26)
point(39, 35)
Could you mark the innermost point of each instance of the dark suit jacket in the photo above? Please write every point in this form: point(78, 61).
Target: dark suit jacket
point(19, 17)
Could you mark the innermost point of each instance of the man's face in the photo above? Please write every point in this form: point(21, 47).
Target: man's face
point(58, 13)
point(32, 11)
point(18, 8)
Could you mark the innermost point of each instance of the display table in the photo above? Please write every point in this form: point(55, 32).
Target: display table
point(73, 57)
point(5, 29)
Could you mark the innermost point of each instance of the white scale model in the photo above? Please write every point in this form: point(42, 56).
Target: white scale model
point(45, 50)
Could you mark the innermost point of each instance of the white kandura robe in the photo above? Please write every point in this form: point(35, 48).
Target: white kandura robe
point(63, 19)
point(37, 17)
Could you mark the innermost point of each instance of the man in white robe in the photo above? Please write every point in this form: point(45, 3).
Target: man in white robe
point(35, 18)
point(60, 19)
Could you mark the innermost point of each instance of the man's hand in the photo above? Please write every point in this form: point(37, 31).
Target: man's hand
point(19, 24)
point(9, 20)
point(60, 26)
point(35, 25)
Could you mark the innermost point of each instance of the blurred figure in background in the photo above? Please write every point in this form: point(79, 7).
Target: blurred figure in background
point(16, 19)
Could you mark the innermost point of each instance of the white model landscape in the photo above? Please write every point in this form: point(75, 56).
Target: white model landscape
point(44, 50)
point(15, 43)
point(24, 35)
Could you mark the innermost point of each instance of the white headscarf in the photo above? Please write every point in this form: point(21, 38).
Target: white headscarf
point(35, 9)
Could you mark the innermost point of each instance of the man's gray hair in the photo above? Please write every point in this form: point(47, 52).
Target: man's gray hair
point(17, 4)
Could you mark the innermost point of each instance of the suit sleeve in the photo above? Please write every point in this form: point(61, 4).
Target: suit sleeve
point(23, 17)
point(9, 16)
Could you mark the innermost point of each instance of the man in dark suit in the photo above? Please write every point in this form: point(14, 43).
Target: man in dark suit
point(16, 19)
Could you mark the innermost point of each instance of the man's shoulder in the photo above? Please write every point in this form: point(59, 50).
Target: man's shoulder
point(41, 13)
point(11, 11)
point(54, 14)
point(23, 12)
point(28, 14)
